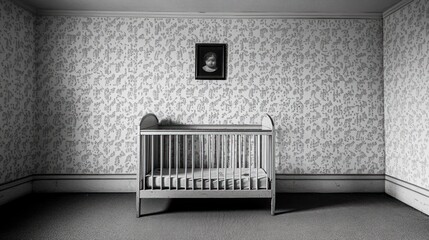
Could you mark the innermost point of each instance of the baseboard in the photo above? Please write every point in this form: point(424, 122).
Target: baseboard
point(85, 183)
point(330, 183)
point(285, 183)
point(408, 193)
point(126, 183)
point(15, 189)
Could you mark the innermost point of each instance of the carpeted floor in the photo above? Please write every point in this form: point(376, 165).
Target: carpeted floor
point(300, 216)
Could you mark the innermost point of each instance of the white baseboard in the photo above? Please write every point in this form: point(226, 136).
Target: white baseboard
point(407, 193)
point(100, 183)
point(410, 194)
point(285, 183)
point(15, 189)
point(126, 183)
point(330, 183)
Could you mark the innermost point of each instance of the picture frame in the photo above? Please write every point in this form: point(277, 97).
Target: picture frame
point(210, 61)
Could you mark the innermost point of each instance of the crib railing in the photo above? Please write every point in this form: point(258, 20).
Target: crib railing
point(223, 159)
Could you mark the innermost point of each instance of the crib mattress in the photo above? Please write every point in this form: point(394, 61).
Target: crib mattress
point(248, 179)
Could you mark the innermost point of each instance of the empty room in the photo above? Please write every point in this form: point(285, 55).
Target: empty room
point(214, 119)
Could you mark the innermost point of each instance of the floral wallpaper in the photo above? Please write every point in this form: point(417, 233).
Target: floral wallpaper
point(406, 76)
point(18, 152)
point(321, 81)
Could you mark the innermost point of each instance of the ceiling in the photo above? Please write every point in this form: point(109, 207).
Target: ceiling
point(217, 6)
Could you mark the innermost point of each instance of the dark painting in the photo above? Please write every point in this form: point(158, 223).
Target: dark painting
point(210, 61)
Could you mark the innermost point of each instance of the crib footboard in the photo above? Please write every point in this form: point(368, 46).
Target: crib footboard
point(205, 161)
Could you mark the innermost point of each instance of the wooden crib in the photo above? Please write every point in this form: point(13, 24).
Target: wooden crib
point(205, 161)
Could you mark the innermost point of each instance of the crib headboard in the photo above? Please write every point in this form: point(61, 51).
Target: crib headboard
point(267, 122)
point(149, 121)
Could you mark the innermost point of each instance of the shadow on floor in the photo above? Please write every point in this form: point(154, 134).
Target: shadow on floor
point(286, 203)
point(112, 216)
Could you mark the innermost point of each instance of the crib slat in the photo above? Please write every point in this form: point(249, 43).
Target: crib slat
point(233, 159)
point(193, 159)
point(161, 160)
point(185, 158)
point(177, 162)
point(244, 151)
point(257, 160)
point(202, 160)
point(152, 158)
point(144, 160)
point(209, 159)
point(239, 158)
point(267, 157)
point(223, 161)
point(250, 162)
point(260, 151)
point(217, 159)
point(170, 145)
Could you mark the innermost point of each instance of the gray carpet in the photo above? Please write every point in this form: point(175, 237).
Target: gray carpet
point(300, 216)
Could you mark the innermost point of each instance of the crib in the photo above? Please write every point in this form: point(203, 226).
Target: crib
point(205, 161)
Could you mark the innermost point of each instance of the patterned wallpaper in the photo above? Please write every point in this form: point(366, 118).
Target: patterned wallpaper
point(17, 93)
point(406, 73)
point(321, 80)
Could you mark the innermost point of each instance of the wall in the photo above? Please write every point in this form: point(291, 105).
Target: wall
point(18, 152)
point(321, 80)
point(406, 76)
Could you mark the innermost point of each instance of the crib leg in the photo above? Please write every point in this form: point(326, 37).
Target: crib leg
point(138, 206)
point(273, 204)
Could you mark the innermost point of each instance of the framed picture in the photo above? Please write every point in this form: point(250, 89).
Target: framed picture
point(210, 61)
